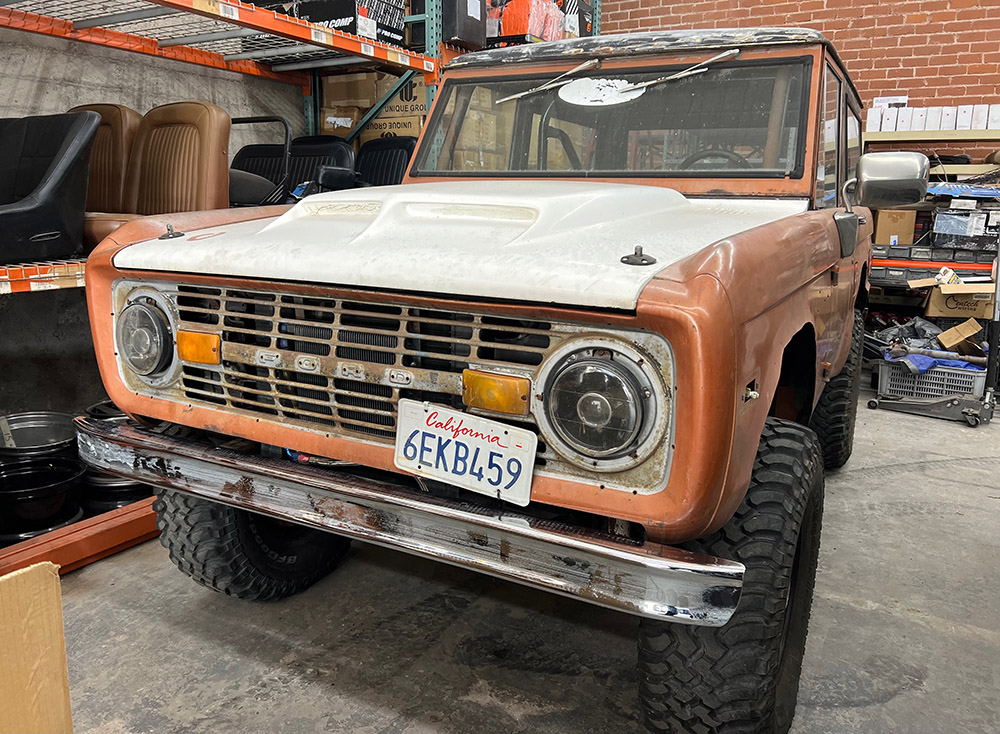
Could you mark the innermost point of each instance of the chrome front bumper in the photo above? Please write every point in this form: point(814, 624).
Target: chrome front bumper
point(651, 580)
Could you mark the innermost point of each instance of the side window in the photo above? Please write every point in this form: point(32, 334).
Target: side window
point(853, 143)
point(829, 152)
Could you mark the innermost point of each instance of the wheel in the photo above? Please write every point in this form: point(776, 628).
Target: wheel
point(744, 677)
point(241, 553)
point(729, 155)
point(972, 420)
point(837, 409)
point(873, 404)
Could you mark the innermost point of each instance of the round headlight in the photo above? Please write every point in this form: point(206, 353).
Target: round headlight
point(143, 335)
point(595, 406)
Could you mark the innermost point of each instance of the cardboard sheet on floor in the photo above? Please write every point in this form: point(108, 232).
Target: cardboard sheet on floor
point(34, 684)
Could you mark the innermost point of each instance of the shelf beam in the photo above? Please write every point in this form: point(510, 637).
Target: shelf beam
point(932, 136)
point(270, 53)
point(208, 37)
point(103, 21)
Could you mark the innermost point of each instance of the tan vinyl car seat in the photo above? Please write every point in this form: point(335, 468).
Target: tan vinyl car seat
point(110, 155)
point(179, 163)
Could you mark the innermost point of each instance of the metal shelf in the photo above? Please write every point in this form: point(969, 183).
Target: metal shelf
point(43, 276)
point(230, 35)
point(932, 136)
point(964, 169)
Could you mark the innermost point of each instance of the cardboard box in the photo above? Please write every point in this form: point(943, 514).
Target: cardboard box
point(960, 338)
point(961, 301)
point(339, 120)
point(410, 101)
point(479, 131)
point(476, 160)
point(463, 23)
point(34, 684)
point(893, 223)
point(390, 127)
point(350, 90)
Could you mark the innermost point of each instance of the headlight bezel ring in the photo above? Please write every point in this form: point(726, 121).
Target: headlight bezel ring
point(153, 302)
point(626, 359)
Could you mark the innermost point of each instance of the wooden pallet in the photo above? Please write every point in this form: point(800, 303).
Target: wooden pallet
point(84, 542)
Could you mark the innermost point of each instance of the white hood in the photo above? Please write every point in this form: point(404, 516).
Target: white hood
point(545, 241)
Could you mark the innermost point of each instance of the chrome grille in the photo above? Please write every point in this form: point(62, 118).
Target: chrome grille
point(351, 349)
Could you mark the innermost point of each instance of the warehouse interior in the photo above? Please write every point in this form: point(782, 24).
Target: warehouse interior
point(714, 284)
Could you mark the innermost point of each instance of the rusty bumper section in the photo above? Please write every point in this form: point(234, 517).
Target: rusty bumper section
point(655, 581)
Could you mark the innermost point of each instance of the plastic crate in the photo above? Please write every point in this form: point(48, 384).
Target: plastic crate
point(895, 378)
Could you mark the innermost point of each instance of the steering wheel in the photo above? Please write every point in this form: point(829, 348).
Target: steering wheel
point(729, 155)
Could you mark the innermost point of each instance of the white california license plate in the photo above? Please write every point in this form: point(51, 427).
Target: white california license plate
point(479, 454)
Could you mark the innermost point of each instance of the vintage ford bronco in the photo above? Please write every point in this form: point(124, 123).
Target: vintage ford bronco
point(602, 341)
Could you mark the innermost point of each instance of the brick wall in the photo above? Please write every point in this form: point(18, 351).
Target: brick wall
point(936, 51)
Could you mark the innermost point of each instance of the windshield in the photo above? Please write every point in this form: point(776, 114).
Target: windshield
point(732, 120)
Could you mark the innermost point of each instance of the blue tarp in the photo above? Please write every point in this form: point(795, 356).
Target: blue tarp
point(965, 191)
point(919, 363)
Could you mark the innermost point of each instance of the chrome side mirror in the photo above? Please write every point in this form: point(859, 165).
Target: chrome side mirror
point(886, 180)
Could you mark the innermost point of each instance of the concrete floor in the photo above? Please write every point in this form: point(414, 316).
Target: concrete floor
point(905, 634)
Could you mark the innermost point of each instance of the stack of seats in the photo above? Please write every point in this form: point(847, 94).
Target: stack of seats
point(257, 168)
point(178, 161)
point(43, 185)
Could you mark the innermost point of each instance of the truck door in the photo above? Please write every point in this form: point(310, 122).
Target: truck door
point(835, 287)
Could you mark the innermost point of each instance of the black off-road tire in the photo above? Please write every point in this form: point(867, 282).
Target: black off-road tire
point(743, 678)
point(241, 553)
point(837, 409)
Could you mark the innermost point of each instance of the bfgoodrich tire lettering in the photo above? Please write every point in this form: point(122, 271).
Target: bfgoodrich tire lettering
point(240, 553)
point(743, 678)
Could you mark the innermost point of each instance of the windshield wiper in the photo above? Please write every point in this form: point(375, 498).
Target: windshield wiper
point(699, 68)
point(557, 82)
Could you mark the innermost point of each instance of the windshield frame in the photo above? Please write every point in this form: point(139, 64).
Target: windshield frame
point(802, 56)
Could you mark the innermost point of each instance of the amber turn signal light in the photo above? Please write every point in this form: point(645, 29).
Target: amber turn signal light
point(194, 346)
point(499, 393)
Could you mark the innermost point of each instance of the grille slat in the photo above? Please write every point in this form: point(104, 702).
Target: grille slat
point(353, 346)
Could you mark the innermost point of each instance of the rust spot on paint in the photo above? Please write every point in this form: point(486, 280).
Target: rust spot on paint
point(505, 551)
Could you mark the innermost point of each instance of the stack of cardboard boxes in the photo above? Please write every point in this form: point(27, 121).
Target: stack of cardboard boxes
point(478, 147)
point(347, 97)
point(405, 112)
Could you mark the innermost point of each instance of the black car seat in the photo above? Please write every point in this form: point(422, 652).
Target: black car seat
point(383, 161)
point(43, 185)
point(312, 151)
